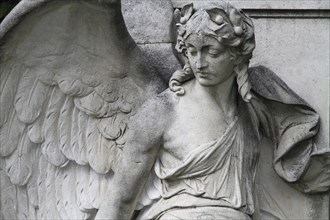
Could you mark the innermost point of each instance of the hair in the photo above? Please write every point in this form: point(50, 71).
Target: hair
point(229, 26)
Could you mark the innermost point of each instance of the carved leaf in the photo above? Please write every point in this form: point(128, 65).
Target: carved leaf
point(215, 14)
point(187, 11)
point(236, 17)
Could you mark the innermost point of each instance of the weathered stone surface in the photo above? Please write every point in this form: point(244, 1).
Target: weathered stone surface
point(72, 81)
point(268, 4)
point(162, 58)
point(295, 49)
point(149, 21)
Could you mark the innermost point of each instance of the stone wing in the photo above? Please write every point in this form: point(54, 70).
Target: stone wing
point(71, 77)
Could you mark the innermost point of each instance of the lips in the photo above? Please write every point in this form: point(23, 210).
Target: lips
point(202, 74)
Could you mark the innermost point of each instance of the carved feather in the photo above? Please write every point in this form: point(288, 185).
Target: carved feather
point(66, 193)
point(83, 195)
point(35, 130)
point(92, 104)
point(59, 194)
point(93, 188)
point(64, 128)
point(43, 171)
point(74, 131)
point(109, 90)
point(95, 185)
point(69, 184)
point(51, 200)
point(73, 87)
point(150, 193)
point(10, 134)
point(154, 188)
point(19, 165)
point(22, 203)
point(46, 191)
point(50, 148)
point(8, 87)
point(114, 128)
point(8, 199)
point(82, 141)
point(32, 186)
point(30, 97)
point(100, 150)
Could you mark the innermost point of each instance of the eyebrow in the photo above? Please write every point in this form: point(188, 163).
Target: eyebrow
point(190, 45)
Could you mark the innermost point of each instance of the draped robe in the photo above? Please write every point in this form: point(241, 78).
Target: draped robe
point(218, 178)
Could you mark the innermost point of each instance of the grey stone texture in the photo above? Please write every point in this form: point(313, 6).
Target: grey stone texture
point(297, 50)
point(71, 92)
point(148, 21)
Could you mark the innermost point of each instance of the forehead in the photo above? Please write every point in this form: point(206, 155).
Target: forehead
point(202, 40)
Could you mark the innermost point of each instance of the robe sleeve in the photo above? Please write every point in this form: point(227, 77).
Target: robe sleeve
point(291, 124)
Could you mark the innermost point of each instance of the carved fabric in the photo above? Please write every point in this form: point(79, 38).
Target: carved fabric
point(204, 213)
point(222, 173)
point(289, 122)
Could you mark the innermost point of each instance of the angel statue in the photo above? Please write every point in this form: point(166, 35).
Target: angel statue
point(89, 131)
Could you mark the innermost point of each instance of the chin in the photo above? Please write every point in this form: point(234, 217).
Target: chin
point(207, 82)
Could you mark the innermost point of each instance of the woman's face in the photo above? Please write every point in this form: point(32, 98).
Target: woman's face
point(210, 61)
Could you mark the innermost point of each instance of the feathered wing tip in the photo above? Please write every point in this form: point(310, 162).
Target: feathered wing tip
point(65, 108)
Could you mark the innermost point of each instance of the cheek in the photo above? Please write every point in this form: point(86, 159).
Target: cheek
point(221, 63)
point(192, 62)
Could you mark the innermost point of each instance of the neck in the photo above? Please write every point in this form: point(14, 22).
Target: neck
point(223, 95)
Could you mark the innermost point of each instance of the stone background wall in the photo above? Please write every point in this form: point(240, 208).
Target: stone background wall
point(293, 40)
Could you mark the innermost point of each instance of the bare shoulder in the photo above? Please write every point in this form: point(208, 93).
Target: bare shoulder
point(156, 113)
point(161, 104)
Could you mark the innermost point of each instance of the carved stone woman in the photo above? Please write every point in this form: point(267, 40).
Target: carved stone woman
point(202, 136)
point(73, 125)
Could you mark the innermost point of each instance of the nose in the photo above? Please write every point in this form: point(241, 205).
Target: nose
point(201, 63)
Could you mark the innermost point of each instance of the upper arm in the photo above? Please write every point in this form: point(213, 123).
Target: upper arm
point(143, 140)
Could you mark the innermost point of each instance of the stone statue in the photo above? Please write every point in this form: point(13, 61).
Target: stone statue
point(87, 126)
